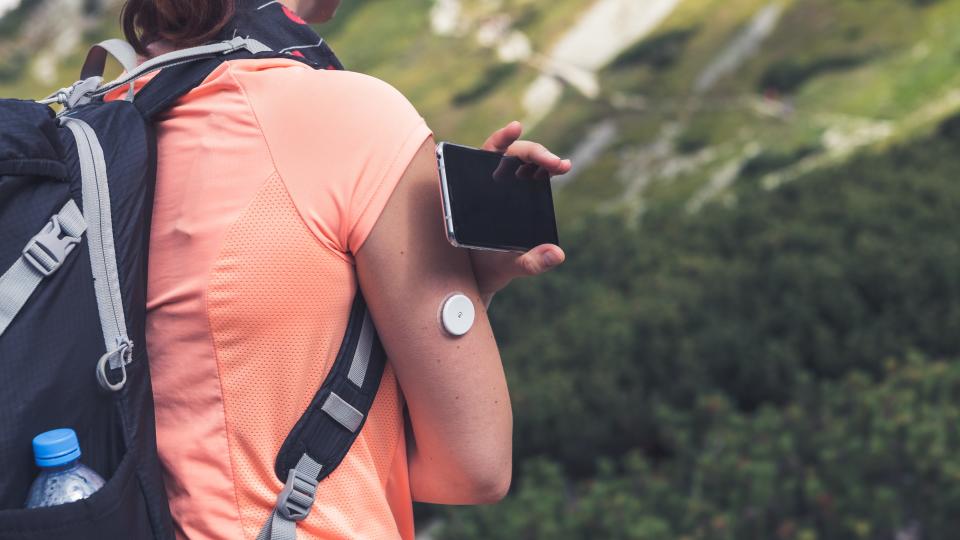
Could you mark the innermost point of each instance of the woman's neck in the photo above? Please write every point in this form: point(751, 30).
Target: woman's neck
point(157, 48)
point(162, 47)
point(293, 5)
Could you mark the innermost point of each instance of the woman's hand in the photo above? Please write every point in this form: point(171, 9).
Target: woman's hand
point(494, 270)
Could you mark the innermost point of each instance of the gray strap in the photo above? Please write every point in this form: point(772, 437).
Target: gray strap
point(42, 256)
point(170, 59)
point(278, 528)
point(185, 55)
point(96, 60)
point(103, 258)
point(361, 357)
point(97, 57)
point(294, 502)
point(342, 412)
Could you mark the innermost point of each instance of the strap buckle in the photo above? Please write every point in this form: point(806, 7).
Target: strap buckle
point(296, 499)
point(78, 93)
point(119, 357)
point(47, 250)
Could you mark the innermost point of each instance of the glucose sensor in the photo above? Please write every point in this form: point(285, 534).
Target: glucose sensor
point(457, 314)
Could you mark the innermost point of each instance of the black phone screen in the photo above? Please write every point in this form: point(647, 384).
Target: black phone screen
point(492, 205)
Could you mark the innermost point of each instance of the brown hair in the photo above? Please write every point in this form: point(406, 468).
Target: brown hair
point(184, 23)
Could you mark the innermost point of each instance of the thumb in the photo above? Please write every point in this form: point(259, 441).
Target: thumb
point(540, 259)
point(501, 139)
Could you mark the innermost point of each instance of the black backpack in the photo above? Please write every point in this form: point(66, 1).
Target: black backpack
point(76, 194)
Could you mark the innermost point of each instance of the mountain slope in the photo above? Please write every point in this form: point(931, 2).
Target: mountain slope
point(721, 86)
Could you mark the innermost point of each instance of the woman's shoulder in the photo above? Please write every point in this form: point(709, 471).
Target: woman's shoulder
point(353, 115)
point(292, 85)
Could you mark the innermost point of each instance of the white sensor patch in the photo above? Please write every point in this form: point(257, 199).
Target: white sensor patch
point(457, 314)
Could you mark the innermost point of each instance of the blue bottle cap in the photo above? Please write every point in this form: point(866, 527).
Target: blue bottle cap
point(55, 448)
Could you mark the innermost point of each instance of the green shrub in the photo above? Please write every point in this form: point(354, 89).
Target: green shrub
point(692, 141)
point(825, 276)
point(487, 83)
point(949, 128)
point(850, 459)
point(659, 52)
point(789, 75)
point(770, 161)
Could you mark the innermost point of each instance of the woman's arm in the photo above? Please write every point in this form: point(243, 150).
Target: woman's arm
point(455, 388)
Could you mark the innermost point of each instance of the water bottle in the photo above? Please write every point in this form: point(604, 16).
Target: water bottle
point(63, 479)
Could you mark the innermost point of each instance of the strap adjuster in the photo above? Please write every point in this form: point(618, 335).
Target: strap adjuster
point(296, 499)
point(47, 250)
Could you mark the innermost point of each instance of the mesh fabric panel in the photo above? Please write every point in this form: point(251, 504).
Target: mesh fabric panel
point(278, 303)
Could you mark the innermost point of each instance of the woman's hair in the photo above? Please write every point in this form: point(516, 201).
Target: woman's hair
point(184, 23)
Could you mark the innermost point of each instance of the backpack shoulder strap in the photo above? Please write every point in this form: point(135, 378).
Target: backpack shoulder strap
point(174, 82)
point(184, 70)
point(324, 434)
point(86, 89)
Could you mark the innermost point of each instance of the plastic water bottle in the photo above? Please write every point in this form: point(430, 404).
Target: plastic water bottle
point(63, 479)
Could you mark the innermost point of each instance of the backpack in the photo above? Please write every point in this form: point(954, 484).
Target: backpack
point(76, 196)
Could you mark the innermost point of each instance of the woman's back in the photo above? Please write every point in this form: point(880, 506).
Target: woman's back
point(270, 175)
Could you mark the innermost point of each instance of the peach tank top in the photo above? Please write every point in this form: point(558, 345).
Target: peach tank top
point(270, 175)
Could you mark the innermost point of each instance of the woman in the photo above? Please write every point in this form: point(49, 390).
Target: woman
point(282, 189)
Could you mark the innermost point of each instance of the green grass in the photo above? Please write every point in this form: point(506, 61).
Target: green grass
point(906, 53)
point(462, 90)
point(842, 60)
point(26, 86)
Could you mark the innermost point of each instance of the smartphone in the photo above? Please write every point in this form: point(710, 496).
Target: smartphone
point(490, 203)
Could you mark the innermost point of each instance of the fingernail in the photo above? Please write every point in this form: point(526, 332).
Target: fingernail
point(551, 155)
point(550, 259)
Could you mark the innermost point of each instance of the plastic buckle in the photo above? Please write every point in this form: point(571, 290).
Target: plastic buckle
point(47, 250)
point(79, 93)
point(296, 499)
point(124, 353)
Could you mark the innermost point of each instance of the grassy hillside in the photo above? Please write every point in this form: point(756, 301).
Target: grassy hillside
point(831, 78)
point(754, 332)
point(826, 79)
